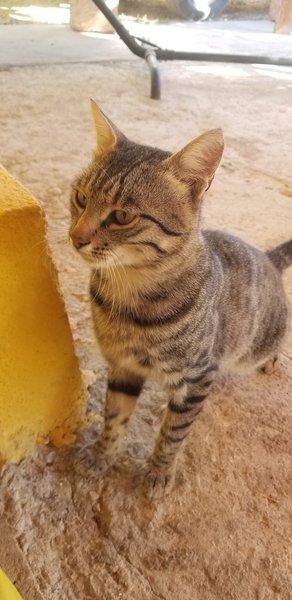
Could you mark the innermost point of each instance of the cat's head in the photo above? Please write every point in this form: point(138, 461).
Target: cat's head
point(135, 204)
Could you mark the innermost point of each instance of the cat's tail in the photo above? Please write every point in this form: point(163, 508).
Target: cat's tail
point(281, 256)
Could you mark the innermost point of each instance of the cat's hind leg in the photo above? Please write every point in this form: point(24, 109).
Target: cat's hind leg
point(185, 403)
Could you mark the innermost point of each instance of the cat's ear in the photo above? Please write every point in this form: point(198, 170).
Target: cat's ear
point(107, 135)
point(197, 162)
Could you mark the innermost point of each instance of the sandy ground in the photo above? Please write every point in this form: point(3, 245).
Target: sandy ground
point(225, 533)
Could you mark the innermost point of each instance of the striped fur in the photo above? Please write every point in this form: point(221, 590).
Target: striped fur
point(170, 302)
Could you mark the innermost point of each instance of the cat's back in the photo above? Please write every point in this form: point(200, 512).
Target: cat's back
point(242, 264)
point(247, 271)
point(251, 294)
point(232, 251)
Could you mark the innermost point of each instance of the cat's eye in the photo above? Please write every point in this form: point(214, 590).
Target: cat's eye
point(79, 198)
point(119, 218)
point(122, 217)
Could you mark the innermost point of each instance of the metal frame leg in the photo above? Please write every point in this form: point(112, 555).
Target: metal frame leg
point(152, 53)
point(153, 64)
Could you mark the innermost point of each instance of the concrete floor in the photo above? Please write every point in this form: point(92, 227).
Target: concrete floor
point(36, 44)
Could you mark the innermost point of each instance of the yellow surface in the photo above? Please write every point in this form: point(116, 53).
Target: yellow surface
point(41, 392)
point(7, 589)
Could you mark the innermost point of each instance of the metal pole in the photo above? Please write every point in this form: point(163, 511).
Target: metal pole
point(151, 59)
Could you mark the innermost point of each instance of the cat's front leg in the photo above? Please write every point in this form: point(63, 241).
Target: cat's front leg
point(185, 403)
point(122, 393)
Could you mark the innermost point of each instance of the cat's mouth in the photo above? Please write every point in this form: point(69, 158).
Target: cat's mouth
point(109, 257)
point(96, 258)
point(101, 258)
point(86, 257)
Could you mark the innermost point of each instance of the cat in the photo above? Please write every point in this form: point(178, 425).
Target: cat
point(170, 302)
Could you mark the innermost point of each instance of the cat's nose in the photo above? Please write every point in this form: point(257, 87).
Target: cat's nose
point(78, 241)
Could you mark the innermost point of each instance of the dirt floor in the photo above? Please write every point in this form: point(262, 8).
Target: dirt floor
point(225, 532)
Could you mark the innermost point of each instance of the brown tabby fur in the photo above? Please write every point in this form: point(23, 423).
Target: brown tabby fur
point(171, 302)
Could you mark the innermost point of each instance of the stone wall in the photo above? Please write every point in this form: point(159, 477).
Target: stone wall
point(159, 7)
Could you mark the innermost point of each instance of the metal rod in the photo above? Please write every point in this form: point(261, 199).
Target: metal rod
point(226, 58)
point(151, 59)
point(127, 38)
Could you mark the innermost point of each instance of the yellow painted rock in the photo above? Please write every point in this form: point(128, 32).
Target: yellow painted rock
point(7, 589)
point(41, 392)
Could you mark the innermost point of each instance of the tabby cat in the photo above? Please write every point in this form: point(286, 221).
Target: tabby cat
point(170, 302)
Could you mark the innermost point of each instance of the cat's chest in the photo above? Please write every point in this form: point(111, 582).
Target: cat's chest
point(129, 353)
point(121, 336)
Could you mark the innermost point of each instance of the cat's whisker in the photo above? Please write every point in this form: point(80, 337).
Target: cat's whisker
point(119, 296)
point(42, 242)
point(56, 239)
point(100, 285)
point(123, 285)
point(60, 228)
point(103, 280)
point(129, 288)
point(96, 270)
point(122, 293)
point(43, 246)
point(115, 288)
point(113, 295)
point(118, 291)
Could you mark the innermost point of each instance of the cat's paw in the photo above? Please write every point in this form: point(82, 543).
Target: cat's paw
point(92, 463)
point(270, 366)
point(156, 483)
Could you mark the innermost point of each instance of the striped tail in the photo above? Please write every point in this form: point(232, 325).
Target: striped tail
point(281, 256)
